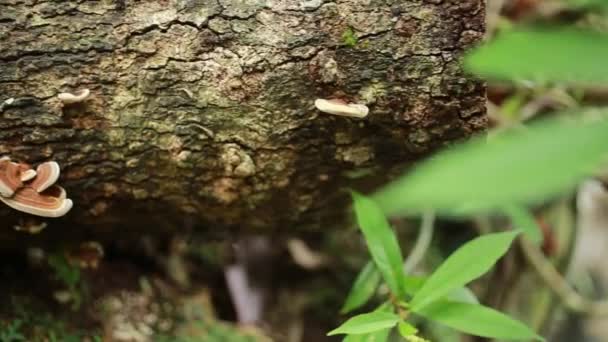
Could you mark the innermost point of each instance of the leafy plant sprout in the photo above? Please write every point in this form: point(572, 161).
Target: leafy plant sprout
point(441, 297)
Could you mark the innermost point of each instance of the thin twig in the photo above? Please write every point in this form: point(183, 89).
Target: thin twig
point(493, 16)
point(422, 242)
point(556, 282)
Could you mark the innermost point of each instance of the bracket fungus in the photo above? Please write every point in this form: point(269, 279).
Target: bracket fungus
point(33, 192)
point(79, 96)
point(342, 108)
point(50, 203)
point(28, 175)
point(10, 177)
point(47, 175)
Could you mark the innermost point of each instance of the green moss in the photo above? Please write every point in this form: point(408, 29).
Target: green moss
point(11, 331)
point(31, 323)
point(349, 38)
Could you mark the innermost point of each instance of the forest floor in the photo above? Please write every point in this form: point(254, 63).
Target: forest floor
point(159, 291)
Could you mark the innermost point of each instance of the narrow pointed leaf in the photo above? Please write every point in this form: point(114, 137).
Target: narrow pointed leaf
point(376, 336)
point(363, 289)
point(521, 219)
point(516, 167)
point(594, 4)
point(461, 294)
point(470, 261)
point(367, 323)
point(406, 329)
point(381, 242)
point(478, 320)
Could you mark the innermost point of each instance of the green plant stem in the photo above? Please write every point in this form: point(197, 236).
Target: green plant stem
point(425, 236)
point(554, 280)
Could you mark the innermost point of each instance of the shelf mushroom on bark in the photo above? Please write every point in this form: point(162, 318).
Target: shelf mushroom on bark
point(33, 191)
point(342, 108)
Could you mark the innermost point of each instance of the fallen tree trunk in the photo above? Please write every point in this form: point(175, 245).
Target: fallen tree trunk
point(205, 108)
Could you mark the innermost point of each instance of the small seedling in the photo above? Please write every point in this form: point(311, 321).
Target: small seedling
point(441, 297)
point(70, 276)
point(10, 331)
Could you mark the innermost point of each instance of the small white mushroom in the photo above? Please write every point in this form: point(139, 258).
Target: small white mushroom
point(30, 226)
point(79, 96)
point(28, 175)
point(339, 107)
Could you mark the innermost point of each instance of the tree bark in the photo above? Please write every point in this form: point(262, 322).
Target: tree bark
point(205, 108)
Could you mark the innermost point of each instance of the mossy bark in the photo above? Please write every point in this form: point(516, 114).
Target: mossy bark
point(204, 108)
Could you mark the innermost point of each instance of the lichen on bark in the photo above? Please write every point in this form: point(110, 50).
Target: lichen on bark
point(205, 108)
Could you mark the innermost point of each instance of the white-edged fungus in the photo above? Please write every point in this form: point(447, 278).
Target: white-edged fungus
point(46, 175)
point(33, 192)
point(79, 96)
point(50, 203)
point(339, 107)
point(28, 175)
point(10, 177)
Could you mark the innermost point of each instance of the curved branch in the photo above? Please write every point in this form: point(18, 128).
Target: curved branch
point(556, 282)
point(422, 243)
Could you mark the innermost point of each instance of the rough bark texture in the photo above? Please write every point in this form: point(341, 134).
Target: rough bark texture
point(204, 108)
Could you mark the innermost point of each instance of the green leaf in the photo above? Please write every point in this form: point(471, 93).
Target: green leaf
point(589, 3)
point(562, 55)
point(413, 283)
point(363, 289)
point(478, 320)
point(377, 336)
point(461, 294)
point(367, 323)
point(511, 106)
point(470, 261)
point(381, 242)
point(406, 329)
point(524, 221)
point(516, 167)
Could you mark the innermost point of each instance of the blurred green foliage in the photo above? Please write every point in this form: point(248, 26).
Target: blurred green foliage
point(543, 55)
point(520, 166)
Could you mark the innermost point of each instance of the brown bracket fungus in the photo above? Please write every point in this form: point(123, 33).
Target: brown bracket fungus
point(10, 177)
point(79, 96)
point(33, 192)
point(49, 203)
point(46, 175)
point(341, 108)
point(28, 175)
